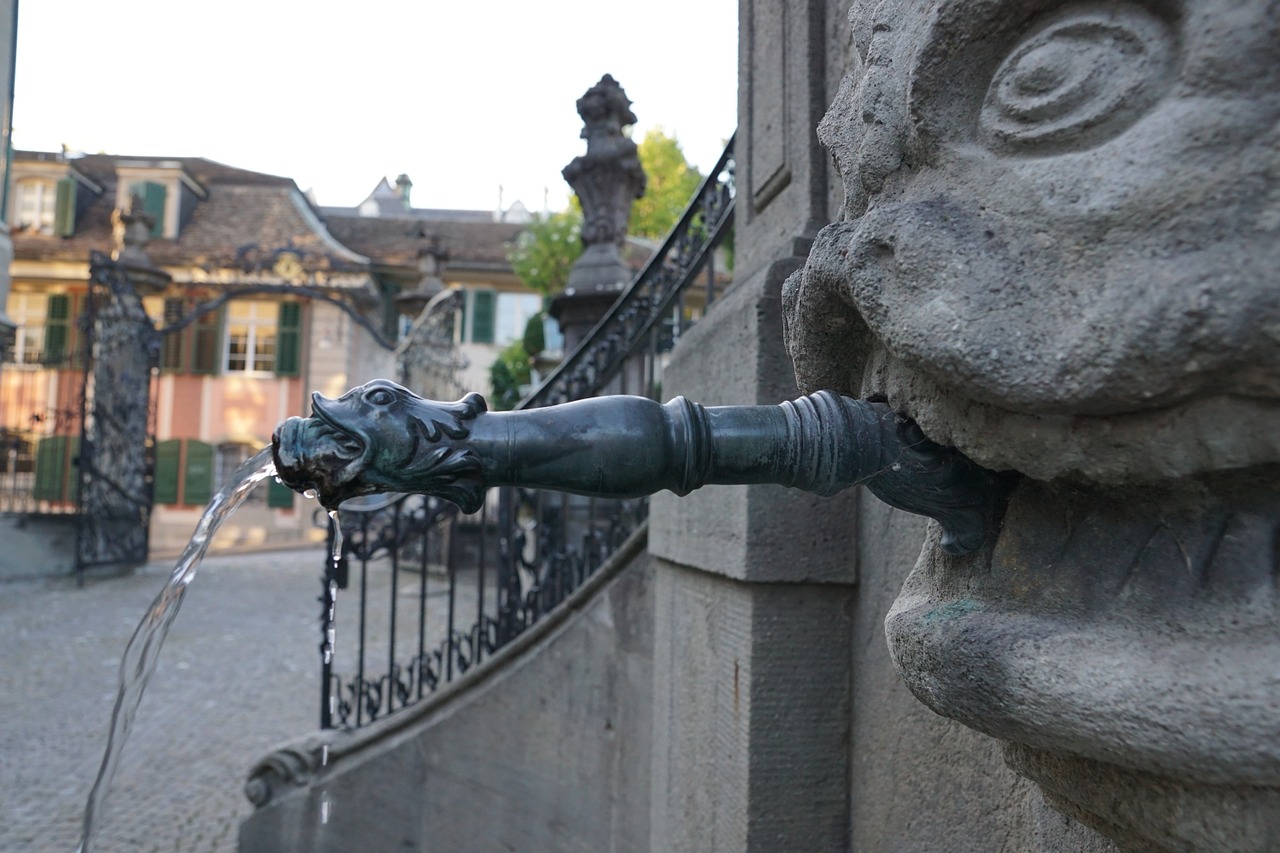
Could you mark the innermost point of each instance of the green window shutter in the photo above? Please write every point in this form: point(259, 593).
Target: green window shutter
point(279, 496)
point(390, 311)
point(64, 218)
point(171, 345)
point(289, 339)
point(51, 466)
point(77, 342)
point(153, 197)
point(482, 316)
point(57, 330)
point(168, 460)
point(206, 343)
point(197, 484)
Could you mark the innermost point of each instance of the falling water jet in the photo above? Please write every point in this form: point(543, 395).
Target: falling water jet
point(143, 650)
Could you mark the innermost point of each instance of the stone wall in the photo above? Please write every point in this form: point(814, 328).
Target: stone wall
point(546, 748)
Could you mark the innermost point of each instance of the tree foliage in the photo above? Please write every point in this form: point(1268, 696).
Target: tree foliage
point(544, 252)
point(510, 376)
point(671, 183)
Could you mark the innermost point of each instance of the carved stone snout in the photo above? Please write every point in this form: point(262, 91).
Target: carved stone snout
point(381, 437)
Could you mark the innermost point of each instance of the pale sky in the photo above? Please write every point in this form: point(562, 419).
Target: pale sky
point(462, 96)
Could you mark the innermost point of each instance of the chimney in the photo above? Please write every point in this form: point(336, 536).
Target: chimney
point(403, 188)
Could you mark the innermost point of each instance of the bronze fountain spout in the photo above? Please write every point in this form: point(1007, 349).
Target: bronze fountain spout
point(380, 437)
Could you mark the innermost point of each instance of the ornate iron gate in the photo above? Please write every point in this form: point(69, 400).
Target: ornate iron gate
point(116, 462)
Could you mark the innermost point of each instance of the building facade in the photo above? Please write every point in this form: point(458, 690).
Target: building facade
point(268, 299)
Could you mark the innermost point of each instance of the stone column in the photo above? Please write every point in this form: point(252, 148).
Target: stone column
point(607, 179)
point(755, 585)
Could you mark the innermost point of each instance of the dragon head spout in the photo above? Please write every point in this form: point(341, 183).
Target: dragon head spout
point(381, 437)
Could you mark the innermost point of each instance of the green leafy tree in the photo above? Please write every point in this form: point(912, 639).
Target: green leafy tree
point(509, 376)
point(535, 338)
point(543, 253)
point(671, 183)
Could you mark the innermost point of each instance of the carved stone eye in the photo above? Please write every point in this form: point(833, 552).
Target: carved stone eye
point(1077, 80)
point(379, 397)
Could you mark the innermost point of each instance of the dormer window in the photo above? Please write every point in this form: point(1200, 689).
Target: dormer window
point(44, 205)
point(167, 193)
point(154, 197)
point(34, 200)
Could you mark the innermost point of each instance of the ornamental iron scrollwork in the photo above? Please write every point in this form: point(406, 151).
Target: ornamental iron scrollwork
point(523, 551)
point(116, 461)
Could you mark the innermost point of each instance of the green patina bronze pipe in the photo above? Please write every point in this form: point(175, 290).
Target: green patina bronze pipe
point(381, 437)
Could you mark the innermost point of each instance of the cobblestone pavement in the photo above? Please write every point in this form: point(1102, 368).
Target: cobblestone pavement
point(238, 675)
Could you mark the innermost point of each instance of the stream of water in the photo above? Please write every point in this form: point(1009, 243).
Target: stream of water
point(143, 651)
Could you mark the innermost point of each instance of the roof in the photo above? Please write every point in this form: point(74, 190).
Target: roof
point(399, 240)
point(230, 209)
point(237, 213)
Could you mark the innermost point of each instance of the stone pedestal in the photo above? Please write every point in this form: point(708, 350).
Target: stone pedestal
point(754, 593)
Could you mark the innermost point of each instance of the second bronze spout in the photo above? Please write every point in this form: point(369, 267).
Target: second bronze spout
point(380, 437)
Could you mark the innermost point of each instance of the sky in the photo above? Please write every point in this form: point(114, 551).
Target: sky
point(464, 96)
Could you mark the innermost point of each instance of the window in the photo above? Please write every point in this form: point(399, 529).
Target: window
point(490, 317)
point(44, 205)
point(35, 202)
point(514, 311)
point(553, 340)
point(194, 348)
point(46, 331)
point(154, 201)
point(28, 310)
point(251, 338)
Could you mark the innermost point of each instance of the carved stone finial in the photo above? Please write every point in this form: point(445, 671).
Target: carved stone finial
point(607, 179)
point(133, 232)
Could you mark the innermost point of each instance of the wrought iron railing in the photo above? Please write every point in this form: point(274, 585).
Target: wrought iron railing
point(438, 591)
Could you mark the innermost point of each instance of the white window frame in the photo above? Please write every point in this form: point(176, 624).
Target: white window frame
point(260, 320)
point(511, 313)
point(35, 204)
point(29, 311)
